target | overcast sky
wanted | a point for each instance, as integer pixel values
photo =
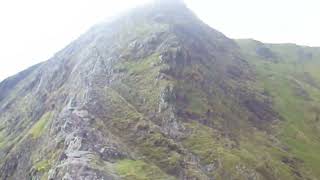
(31, 31)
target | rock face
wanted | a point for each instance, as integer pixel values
(154, 94)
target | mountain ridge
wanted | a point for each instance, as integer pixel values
(158, 94)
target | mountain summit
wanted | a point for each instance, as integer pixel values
(158, 94)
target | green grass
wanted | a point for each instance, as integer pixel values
(140, 86)
(42, 166)
(210, 148)
(39, 127)
(162, 151)
(139, 170)
(297, 130)
(202, 143)
(127, 121)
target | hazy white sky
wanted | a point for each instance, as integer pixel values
(32, 31)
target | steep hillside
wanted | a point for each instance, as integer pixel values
(157, 94)
(290, 75)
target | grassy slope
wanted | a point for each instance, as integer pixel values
(292, 82)
(261, 152)
(257, 153)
